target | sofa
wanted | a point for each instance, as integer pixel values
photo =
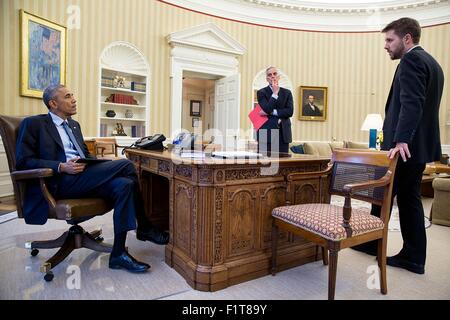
(440, 212)
(324, 148)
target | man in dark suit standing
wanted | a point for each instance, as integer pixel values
(277, 103)
(55, 141)
(310, 109)
(411, 128)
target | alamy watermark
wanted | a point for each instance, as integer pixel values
(74, 17)
(373, 281)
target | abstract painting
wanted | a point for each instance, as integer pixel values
(43, 54)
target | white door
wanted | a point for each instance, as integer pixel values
(226, 111)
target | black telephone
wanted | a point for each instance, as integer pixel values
(151, 142)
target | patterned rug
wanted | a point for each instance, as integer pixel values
(394, 222)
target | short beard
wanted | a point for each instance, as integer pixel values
(398, 54)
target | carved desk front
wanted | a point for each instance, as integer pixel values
(218, 213)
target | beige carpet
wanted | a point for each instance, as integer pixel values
(20, 277)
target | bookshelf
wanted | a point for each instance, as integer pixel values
(123, 92)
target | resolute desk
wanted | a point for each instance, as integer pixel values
(219, 213)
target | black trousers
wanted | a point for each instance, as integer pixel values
(116, 181)
(271, 140)
(407, 181)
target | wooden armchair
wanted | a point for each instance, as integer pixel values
(360, 174)
(73, 211)
(105, 147)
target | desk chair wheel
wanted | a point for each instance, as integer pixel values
(34, 252)
(49, 276)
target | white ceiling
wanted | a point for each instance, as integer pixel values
(323, 15)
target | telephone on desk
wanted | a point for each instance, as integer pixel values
(154, 142)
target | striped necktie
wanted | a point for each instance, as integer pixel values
(73, 140)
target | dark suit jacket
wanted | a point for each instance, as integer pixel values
(412, 108)
(39, 146)
(285, 109)
(307, 111)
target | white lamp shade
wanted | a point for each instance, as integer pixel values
(372, 121)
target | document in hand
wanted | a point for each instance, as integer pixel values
(257, 119)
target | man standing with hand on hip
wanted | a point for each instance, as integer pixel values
(411, 128)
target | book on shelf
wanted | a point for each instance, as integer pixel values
(107, 82)
(122, 99)
(103, 130)
(138, 86)
(134, 131)
(140, 130)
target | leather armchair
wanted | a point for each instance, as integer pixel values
(73, 211)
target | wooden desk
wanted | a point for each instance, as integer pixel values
(433, 170)
(219, 213)
(442, 168)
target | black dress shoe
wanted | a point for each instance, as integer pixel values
(127, 262)
(367, 248)
(153, 235)
(401, 262)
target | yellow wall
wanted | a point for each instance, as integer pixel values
(354, 66)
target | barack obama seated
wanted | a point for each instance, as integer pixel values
(55, 141)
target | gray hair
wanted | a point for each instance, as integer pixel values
(271, 67)
(50, 92)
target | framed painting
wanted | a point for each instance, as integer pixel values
(42, 54)
(313, 103)
(196, 108)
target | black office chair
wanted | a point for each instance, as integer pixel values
(74, 211)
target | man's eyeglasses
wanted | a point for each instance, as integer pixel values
(272, 74)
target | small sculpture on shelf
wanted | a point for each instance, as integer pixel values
(118, 131)
(128, 114)
(119, 82)
(110, 113)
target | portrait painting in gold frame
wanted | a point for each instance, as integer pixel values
(313, 103)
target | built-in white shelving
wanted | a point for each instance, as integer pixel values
(124, 60)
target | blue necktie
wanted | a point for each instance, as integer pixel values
(73, 140)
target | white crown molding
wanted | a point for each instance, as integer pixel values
(322, 16)
(207, 36)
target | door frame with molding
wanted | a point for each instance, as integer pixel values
(203, 49)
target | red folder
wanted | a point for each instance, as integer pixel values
(257, 119)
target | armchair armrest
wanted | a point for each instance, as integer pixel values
(32, 174)
(303, 175)
(40, 174)
(353, 187)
